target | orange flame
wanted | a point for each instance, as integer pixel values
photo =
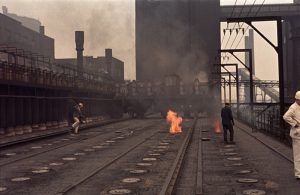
(175, 122)
(217, 126)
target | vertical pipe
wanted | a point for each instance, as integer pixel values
(3, 117)
(42, 110)
(35, 112)
(56, 107)
(11, 111)
(224, 88)
(229, 88)
(28, 109)
(251, 76)
(20, 108)
(237, 89)
(59, 107)
(251, 85)
(49, 107)
(280, 71)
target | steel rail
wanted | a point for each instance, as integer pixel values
(9, 162)
(199, 177)
(66, 130)
(107, 164)
(168, 186)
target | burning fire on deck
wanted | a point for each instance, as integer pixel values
(175, 122)
(217, 126)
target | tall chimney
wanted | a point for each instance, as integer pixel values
(249, 44)
(79, 39)
(42, 30)
(108, 59)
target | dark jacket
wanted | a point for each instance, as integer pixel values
(77, 112)
(226, 115)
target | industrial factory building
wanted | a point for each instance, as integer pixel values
(104, 65)
(15, 35)
(19, 33)
(30, 23)
(28, 68)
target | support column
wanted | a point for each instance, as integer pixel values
(35, 113)
(295, 37)
(2, 115)
(42, 111)
(3, 118)
(56, 109)
(19, 112)
(63, 112)
(11, 114)
(28, 111)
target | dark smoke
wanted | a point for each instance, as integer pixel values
(177, 37)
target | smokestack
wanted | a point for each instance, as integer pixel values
(108, 59)
(4, 10)
(79, 39)
(249, 44)
(42, 30)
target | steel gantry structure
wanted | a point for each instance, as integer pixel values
(278, 49)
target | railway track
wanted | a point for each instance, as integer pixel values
(231, 165)
(57, 133)
(14, 160)
(96, 171)
(109, 162)
(139, 130)
(168, 186)
(172, 175)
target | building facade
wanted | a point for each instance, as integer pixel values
(30, 23)
(14, 34)
(104, 65)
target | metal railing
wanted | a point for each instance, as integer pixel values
(265, 118)
(20, 67)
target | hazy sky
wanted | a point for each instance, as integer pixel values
(110, 24)
(107, 24)
(265, 58)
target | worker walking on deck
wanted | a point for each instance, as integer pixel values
(292, 116)
(227, 122)
(77, 117)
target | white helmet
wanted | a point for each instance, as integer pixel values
(297, 96)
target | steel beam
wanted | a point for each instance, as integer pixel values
(232, 51)
(278, 49)
(253, 19)
(237, 85)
